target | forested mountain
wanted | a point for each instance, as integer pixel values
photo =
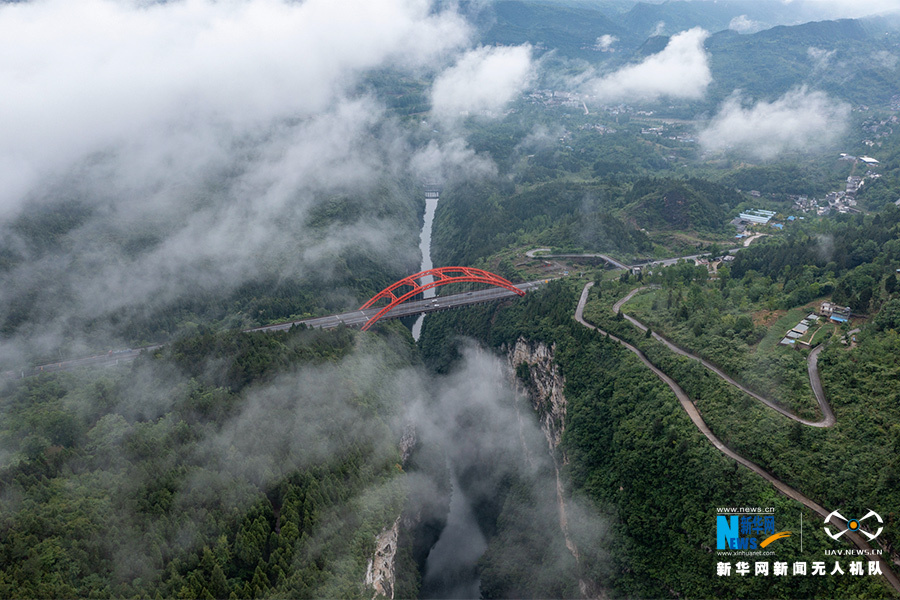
(779, 52)
(168, 479)
(684, 205)
(489, 216)
(843, 57)
(205, 168)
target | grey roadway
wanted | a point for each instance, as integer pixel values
(812, 368)
(665, 262)
(698, 421)
(609, 259)
(354, 318)
(358, 318)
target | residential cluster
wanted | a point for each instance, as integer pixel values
(556, 98)
(802, 333)
(839, 201)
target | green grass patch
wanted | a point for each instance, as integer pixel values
(779, 329)
(823, 334)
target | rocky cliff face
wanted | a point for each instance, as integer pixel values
(380, 574)
(544, 384)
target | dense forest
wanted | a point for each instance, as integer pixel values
(226, 463)
(166, 479)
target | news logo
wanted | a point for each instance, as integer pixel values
(746, 532)
(851, 524)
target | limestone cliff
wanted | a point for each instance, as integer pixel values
(545, 384)
(380, 574)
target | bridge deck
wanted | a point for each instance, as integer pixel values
(355, 318)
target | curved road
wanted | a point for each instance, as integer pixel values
(664, 262)
(812, 367)
(609, 259)
(698, 421)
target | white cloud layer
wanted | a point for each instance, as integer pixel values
(847, 9)
(801, 121)
(744, 24)
(681, 70)
(199, 137)
(78, 78)
(605, 42)
(484, 79)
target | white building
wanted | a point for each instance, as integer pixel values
(757, 216)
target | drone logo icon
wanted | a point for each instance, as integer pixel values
(852, 524)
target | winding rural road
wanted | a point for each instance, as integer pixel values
(698, 421)
(812, 367)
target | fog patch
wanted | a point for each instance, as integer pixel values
(820, 58)
(451, 160)
(495, 450)
(541, 137)
(825, 247)
(885, 59)
(680, 70)
(605, 43)
(482, 82)
(800, 121)
(744, 24)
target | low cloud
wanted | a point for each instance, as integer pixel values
(452, 160)
(188, 146)
(799, 121)
(485, 79)
(82, 79)
(885, 59)
(744, 24)
(680, 70)
(605, 42)
(820, 57)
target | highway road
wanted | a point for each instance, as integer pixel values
(358, 318)
(354, 318)
(111, 358)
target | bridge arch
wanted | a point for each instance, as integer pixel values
(397, 293)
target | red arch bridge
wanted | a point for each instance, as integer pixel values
(411, 286)
(397, 296)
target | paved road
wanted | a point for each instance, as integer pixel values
(355, 318)
(358, 318)
(111, 358)
(812, 367)
(698, 421)
(664, 262)
(755, 236)
(609, 259)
